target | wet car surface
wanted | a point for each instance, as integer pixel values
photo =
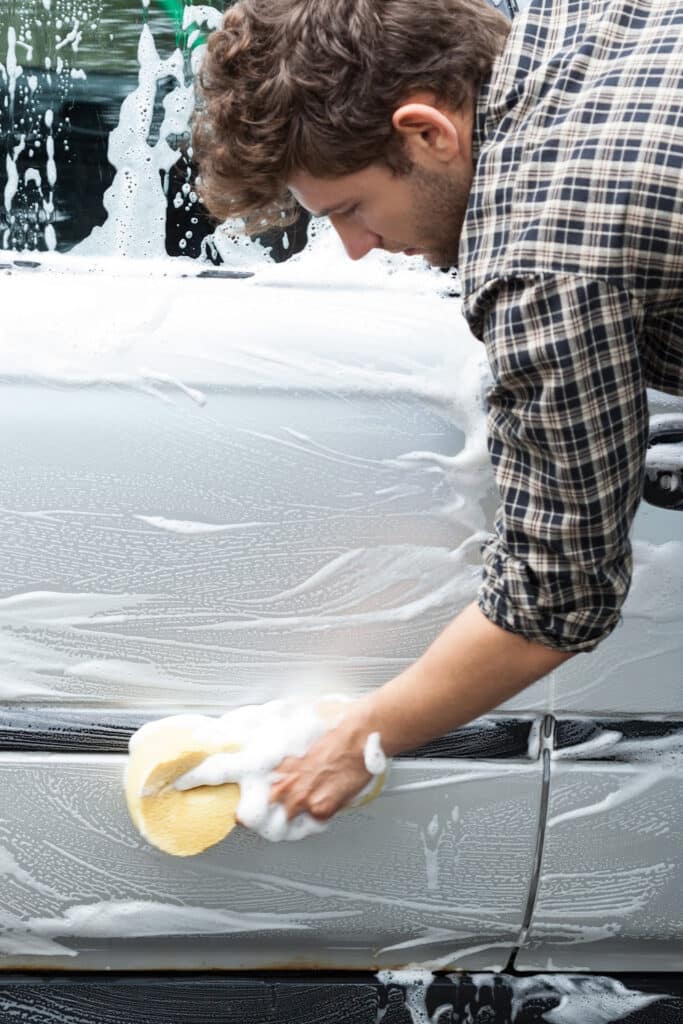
(214, 488)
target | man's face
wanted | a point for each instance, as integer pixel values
(419, 213)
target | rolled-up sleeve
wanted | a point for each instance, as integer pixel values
(567, 435)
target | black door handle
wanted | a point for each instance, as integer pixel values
(664, 462)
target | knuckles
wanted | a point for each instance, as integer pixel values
(322, 807)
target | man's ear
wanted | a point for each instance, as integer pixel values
(429, 134)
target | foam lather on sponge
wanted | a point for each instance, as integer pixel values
(190, 778)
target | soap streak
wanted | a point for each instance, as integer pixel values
(462, 913)
(640, 784)
(183, 526)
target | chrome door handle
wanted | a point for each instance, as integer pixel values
(664, 462)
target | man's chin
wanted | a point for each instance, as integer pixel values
(442, 260)
(439, 260)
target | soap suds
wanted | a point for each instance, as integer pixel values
(641, 783)
(458, 777)
(373, 755)
(188, 528)
(587, 999)
(124, 919)
(432, 936)
(438, 830)
(134, 918)
(597, 746)
(10, 868)
(202, 14)
(266, 734)
(135, 202)
(415, 984)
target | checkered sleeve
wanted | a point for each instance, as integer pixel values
(567, 434)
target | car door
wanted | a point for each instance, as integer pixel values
(611, 875)
(217, 489)
(205, 517)
(228, 480)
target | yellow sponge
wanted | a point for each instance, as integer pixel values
(179, 822)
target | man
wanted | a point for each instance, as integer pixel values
(545, 161)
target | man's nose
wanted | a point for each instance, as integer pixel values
(357, 241)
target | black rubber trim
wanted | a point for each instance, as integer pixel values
(318, 998)
(59, 729)
(572, 732)
(488, 738)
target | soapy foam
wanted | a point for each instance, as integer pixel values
(124, 919)
(29, 206)
(595, 747)
(267, 734)
(373, 755)
(82, 800)
(9, 867)
(134, 918)
(589, 999)
(641, 783)
(582, 1000)
(432, 838)
(599, 895)
(16, 939)
(135, 201)
(192, 528)
(415, 984)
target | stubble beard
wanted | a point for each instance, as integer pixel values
(439, 207)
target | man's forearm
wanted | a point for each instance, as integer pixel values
(471, 668)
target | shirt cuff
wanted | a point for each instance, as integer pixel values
(512, 597)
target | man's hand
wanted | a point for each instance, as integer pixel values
(329, 775)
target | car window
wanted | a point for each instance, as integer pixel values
(95, 153)
(67, 67)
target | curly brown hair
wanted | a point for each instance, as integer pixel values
(311, 85)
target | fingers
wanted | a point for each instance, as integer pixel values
(298, 795)
(322, 781)
(324, 805)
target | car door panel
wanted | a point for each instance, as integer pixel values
(199, 515)
(610, 884)
(437, 868)
(647, 643)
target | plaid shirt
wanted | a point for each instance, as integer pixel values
(571, 259)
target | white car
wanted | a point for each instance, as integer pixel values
(229, 479)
